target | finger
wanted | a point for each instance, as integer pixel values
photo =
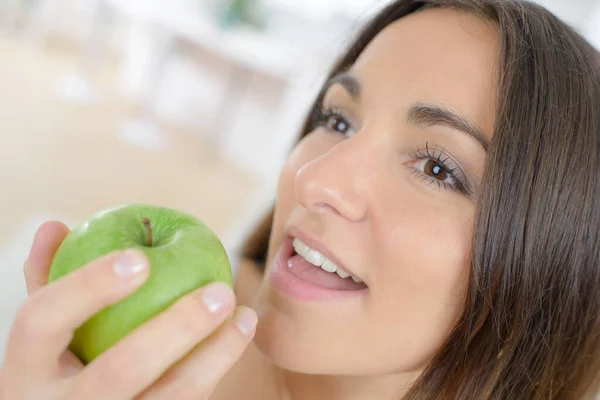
(201, 370)
(143, 356)
(69, 364)
(48, 238)
(45, 323)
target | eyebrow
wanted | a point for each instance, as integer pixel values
(424, 114)
(349, 82)
(434, 114)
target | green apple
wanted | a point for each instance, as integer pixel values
(184, 254)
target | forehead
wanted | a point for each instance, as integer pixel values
(441, 55)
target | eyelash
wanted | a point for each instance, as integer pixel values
(444, 160)
(322, 116)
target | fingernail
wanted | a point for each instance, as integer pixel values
(129, 263)
(246, 319)
(217, 296)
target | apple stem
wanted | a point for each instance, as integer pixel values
(148, 226)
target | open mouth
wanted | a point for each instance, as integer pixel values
(313, 267)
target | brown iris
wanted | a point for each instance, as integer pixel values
(434, 169)
(337, 124)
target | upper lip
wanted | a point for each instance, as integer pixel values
(315, 244)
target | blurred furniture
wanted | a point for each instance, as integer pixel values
(249, 52)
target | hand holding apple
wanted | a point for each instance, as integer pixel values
(184, 254)
(188, 347)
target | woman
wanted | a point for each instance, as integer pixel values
(435, 236)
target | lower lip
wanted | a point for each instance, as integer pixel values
(293, 287)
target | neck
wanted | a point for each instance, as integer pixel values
(297, 386)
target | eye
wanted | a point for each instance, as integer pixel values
(337, 123)
(333, 120)
(435, 167)
(435, 170)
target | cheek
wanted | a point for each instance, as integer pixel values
(436, 249)
(425, 261)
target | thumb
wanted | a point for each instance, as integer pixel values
(47, 240)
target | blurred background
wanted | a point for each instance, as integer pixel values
(191, 104)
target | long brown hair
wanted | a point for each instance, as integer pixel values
(531, 325)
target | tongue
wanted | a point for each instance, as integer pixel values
(304, 270)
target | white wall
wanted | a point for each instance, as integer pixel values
(592, 25)
(574, 12)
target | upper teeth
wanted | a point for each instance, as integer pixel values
(319, 260)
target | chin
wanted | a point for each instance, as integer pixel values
(298, 339)
(285, 350)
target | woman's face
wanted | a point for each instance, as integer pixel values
(385, 188)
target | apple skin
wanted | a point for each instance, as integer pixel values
(185, 255)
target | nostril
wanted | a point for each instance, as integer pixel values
(326, 207)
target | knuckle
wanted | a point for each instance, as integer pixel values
(91, 279)
(192, 319)
(27, 268)
(28, 322)
(231, 347)
(229, 355)
(237, 344)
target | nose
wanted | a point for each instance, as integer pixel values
(334, 182)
